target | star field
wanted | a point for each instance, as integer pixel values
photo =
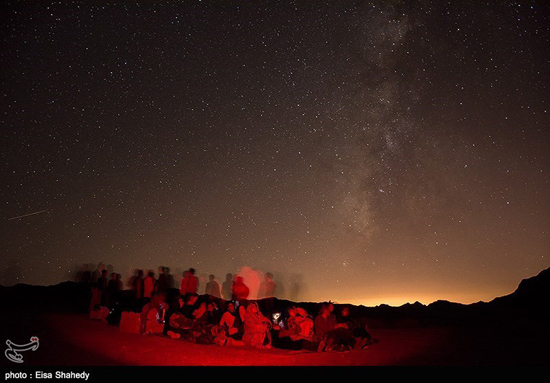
(365, 152)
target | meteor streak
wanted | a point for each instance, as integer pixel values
(27, 215)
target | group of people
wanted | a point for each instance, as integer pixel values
(225, 316)
(242, 323)
(105, 291)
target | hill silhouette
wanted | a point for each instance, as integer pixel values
(509, 330)
(531, 299)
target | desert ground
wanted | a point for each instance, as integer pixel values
(72, 339)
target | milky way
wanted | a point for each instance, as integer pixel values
(364, 152)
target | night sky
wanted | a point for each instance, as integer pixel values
(364, 152)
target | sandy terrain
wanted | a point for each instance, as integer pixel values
(73, 339)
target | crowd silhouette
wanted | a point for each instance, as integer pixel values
(224, 315)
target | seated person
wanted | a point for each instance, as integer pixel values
(358, 327)
(213, 313)
(296, 332)
(324, 323)
(180, 320)
(300, 324)
(229, 320)
(151, 315)
(256, 328)
(190, 306)
(228, 330)
(330, 333)
(202, 331)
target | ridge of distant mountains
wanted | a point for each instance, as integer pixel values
(531, 298)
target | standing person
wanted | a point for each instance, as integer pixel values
(213, 287)
(148, 286)
(96, 294)
(227, 287)
(113, 291)
(183, 284)
(162, 283)
(137, 287)
(98, 272)
(101, 286)
(267, 293)
(240, 290)
(192, 282)
(267, 288)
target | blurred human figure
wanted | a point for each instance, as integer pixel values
(137, 286)
(267, 293)
(240, 290)
(98, 290)
(84, 275)
(148, 286)
(256, 328)
(162, 283)
(101, 285)
(98, 272)
(183, 284)
(227, 287)
(113, 289)
(190, 282)
(267, 288)
(212, 287)
(169, 277)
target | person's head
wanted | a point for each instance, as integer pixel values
(345, 311)
(161, 269)
(186, 273)
(228, 277)
(113, 276)
(239, 280)
(231, 307)
(253, 308)
(101, 266)
(104, 273)
(330, 307)
(151, 274)
(192, 271)
(325, 312)
(211, 277)
(140, 273)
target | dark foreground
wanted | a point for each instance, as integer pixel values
(508, 331)
(70, 339)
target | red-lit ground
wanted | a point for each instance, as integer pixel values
(73, 339)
